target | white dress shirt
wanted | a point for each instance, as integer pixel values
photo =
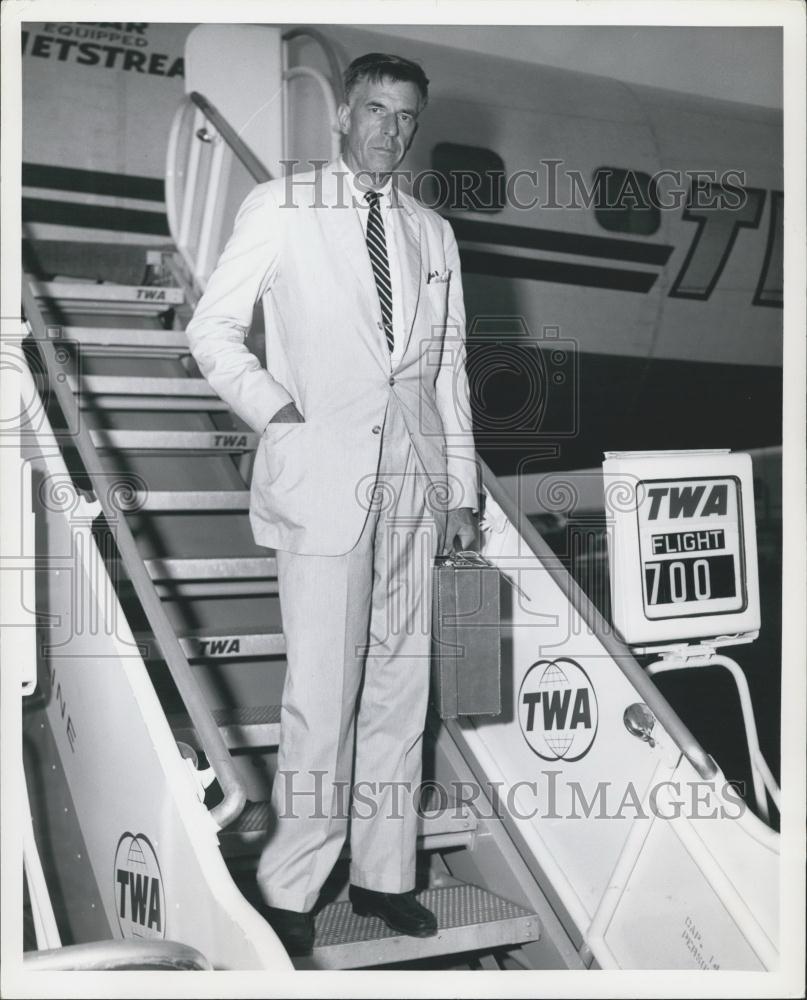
(392, 231)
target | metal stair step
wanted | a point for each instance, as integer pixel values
(225, 441)
(212, 577)
(469, 918)
(202, 644)
(103, 297)
(141, 385)
(145, 392)
(240, 727)
(126, 340)
(225, 568)
(165, 501)
(452, 825)
(186, 404)
(260, 641)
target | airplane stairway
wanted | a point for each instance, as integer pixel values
(160, 471)
(158, 766)
(150, 740)
(179, 461)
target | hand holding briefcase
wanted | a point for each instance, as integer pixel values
(466, 652)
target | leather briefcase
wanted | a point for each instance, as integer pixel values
(466, 651)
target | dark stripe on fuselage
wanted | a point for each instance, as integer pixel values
(507, 266)
(63, 213)
(99, 182)
(473, 261)
(532, 238)
(132, 220)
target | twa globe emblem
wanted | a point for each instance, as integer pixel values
(138, 888)
(557, 710)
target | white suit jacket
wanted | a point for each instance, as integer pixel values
(298, 244)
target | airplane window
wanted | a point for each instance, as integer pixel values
(464, 178)
(624, 201)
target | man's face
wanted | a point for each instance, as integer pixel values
(379, 124)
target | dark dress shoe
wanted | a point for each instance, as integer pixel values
(295, 930)
(400, 911)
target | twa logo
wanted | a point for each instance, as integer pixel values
(140, 902)
(557, 710)
(671, 502)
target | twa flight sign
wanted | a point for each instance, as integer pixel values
(682, 544)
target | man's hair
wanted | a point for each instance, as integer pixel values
(376, 66)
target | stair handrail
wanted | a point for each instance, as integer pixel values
(178, 209)
(177, 214)
(210, 738)
(109, 956)
(621, 654)
(248, 159)
(298, 72)
(616, 649)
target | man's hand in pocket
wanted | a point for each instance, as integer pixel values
(288, 414)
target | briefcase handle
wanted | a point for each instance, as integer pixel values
(467, 557)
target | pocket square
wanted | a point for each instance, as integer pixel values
(436, 277)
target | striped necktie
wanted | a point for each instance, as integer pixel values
(377, 248)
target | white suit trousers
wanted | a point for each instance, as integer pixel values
(358, 635)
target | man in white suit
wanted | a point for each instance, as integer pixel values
(365, 470)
